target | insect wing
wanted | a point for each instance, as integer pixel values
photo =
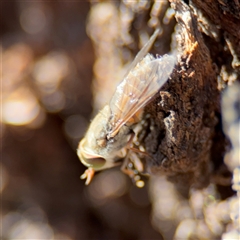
(137, 89)
(143, 52)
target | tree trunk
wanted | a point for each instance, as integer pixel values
(181, 129)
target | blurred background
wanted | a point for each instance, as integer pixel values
(61, 61)
(47, 72)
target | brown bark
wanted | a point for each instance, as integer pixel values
(187, 109)
(187, 143)
(181, 130)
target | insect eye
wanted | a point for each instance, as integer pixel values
(96, 163)
(102, 142)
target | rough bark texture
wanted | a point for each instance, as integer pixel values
(187, 109)
(182, 128)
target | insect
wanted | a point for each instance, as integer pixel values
(112, 130)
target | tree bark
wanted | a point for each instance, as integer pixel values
(181, 129)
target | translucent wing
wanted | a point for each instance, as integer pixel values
(138, 87)
(142, 53)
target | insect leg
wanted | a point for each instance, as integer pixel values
(129, 168)
(88, 174)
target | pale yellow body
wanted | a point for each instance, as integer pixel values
(96, 142)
